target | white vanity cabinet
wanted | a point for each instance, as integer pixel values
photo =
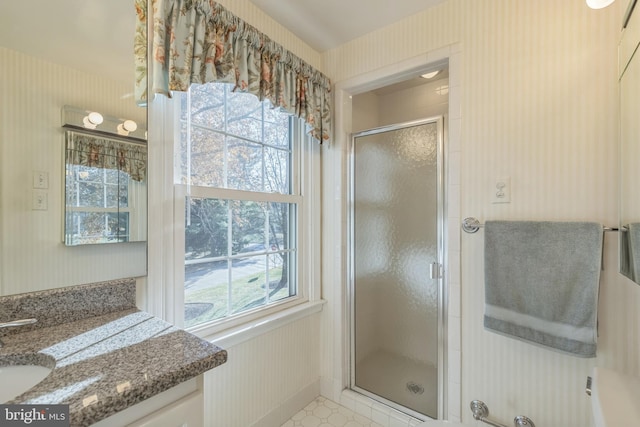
(187, 412)
(180, 406)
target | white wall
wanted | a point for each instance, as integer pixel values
(366, 111)
(398, 105)
(33, 256)
(247, 11)
(427, 100)
(267, 379)
(539, 104)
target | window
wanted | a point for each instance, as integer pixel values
(93, 199)
(105, 190)
(239, 198)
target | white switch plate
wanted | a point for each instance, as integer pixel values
(501, 190)
(40, 179)
(40, 201)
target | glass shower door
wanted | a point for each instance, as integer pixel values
(396, 258)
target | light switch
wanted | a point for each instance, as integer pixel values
(40, 179)
(501, 190)
(40, 201)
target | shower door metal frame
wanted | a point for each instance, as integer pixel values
(442, 260)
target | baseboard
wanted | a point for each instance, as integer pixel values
(331, 389)
(288, 408)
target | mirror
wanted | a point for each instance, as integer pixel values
(105, 179)
(105, 190)
(630, 152)
(68, 52)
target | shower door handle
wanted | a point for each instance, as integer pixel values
(435, 270)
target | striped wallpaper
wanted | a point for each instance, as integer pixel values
(267, 379)
(538, 99)
(539, 104)
(276, 32)
(33, 256)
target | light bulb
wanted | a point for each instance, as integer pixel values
(87, 123)
(130, 125)
(599, 4)
(430, 75)
(92, 120)
(95, 118)
(121, 130)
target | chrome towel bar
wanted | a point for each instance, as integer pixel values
(481, 413)
(472, 225)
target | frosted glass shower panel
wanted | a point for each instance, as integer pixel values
(395, 226)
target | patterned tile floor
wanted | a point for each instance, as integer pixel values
(323, 412)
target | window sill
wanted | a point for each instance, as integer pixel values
(247, 331)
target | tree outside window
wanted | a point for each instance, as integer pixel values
(237, 154)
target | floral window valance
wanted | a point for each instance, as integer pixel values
(88, 150)
(199, 41)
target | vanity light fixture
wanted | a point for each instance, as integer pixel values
(599, 4)
(92, 120)
(430, 75)
(127, 126)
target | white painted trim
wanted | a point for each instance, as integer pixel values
(247, 331)
(335, 184)
(160, 194)
(279, 415)
(163, 296)
(231, 194)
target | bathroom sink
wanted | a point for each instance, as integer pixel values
(19, 373)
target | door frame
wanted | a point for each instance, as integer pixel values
(334, 333)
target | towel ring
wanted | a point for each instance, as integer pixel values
(471, 225)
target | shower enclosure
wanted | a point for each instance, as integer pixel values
(396, 265)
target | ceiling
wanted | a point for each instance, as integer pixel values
(95, 36)
(326, 24)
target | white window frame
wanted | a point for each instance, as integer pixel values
(164, 295)
(132, 220)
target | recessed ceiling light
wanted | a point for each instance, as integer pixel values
(430, 75)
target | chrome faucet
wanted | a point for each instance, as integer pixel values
(15, 323)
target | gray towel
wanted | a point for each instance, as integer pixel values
(630, 251)
(541, 282)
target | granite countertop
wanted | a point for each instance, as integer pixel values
(107, 362)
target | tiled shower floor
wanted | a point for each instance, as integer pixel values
(389, 374)
(323, 412)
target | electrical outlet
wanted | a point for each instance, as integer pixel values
(501, 191)
(40, 201)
